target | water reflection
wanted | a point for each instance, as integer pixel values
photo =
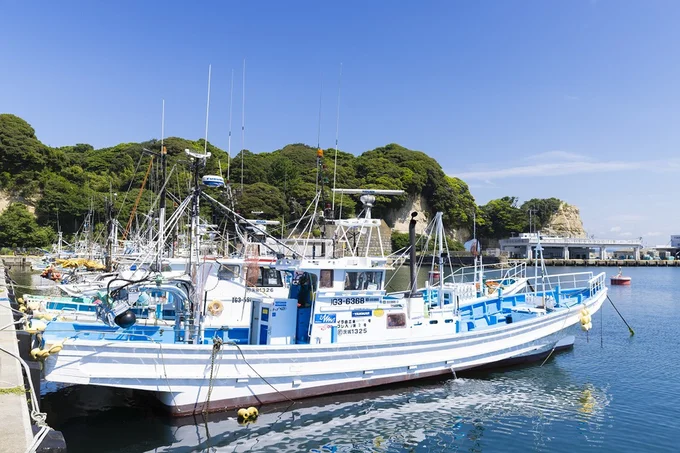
(447, 415)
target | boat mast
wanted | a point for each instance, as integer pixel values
(109, 241)
(337, 133)
(162, 205)
(199, 161)
(243, 122)
(440, 232)
(319, 152)
(231, 104)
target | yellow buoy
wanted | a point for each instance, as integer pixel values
(252, 412)
(242, 413)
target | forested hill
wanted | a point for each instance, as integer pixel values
(63, 184)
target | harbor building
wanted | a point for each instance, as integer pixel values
(524, 247)
(670, 250)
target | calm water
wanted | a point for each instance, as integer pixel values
(611, 393)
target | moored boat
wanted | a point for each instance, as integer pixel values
(336, 329)
(620, 279)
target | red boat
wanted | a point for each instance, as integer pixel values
(620, 279)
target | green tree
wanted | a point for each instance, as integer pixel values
(20, 149)
(542, 210)
(502, 217)
(18, 228)
(252, 172)
(261, 197)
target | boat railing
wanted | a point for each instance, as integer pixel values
(598, 283)
(493, 272)
(572, 280)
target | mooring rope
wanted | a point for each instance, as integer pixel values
(217, 346)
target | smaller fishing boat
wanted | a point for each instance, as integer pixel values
(620, 279)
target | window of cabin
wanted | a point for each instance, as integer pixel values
(326, 278)
(269, 277)
(365, 280)
(228, 271)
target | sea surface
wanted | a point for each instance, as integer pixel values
(612, 393)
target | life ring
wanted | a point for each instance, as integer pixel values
(215, 308)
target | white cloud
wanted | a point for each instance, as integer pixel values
(627, 233)
(615, 229)
(552, 156)
(653, 233)
(560, 163)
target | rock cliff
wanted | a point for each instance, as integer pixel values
(400, 218)
(566, 222)
(6, 198)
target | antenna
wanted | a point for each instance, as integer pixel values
(162, 125)
(318, 139)
(337, 132)
(243, 122)
(231, 103)
(207, 112)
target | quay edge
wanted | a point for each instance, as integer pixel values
(17, 430)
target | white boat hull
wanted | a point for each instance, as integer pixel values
(252, 375)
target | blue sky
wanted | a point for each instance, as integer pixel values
(578, 100)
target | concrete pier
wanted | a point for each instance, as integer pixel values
(609, 263)
(524, 247)
(16, 433)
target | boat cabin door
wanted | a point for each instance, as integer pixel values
(302, 289)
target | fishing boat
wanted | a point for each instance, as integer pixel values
(336, 330)
(620, 279)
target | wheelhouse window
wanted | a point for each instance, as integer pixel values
(228, 272)
(268, 277)
(326, 278)
(365, 280)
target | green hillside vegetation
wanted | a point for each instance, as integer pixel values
(64, 183)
